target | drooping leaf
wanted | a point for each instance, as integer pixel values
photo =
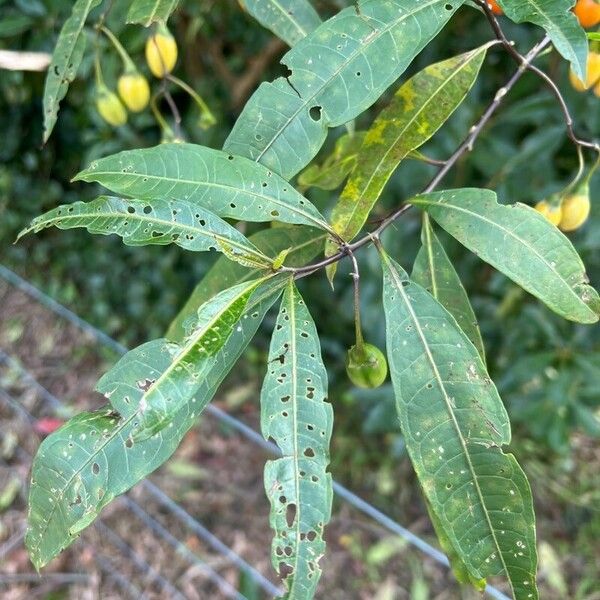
(229, 186)
(296, 416)
(561, 25)
(336, 167)
(337, 72)
(156, 221)
(419, 108)
(66, 59)
(146, 12)
(290, 20)
(455, 426)
(154, 400)
(92, 459)
(434, 271)
(305, 243)
(520, 242)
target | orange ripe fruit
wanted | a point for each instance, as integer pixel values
(495, 7)
(588, 13)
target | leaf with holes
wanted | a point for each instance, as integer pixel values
(434, 271)
(336, 167)
(419, 108)
(455, 426)
(229, 186)
(146, 12)
(337, 71)
(92, 459)
(157, 221)
(520, 242)
(304, 244)
(290, 20)
(66, 59)
(153, 400)
(561, 25)
(296, 416)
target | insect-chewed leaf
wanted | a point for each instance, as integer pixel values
(154, 399)
(337, 71)
(336, 167)
(82, 466)
(304, 244)
(455, 425)
(419, 108)
(296, 416)
(560, 23)
(157, 221)
(229, 186)
(291, 20)
(66, 59)
(434, 271)
(520, 242)
(146, 12)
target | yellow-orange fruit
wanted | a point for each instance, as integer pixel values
(588, 13)
(552, 212)
(134, 91)
(111, 109)
(575, 210)
(161, 52)
(593, 74)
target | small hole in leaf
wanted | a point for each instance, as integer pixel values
(290, 514)
(147, 209)
(315, 113)
(95, 468)
(309, 452)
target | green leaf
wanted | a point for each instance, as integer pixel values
(296, 416)
(92, 459)
(460, 570)
(419, 108)
(291, 20)
(560, 23)
(66, 59)
(520, 242)
(434, 271)
(337, 72)
(336, 167)
(155, 399)
(229, 186)
(156, 221)
(304, 243)
(146, 12)
(455, 425)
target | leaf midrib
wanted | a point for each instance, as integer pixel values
(348, 61)
(440, 382)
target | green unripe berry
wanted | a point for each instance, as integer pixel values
(366, 366)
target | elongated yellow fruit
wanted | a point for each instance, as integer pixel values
(161, 52)
(134, 91)
(575, 209)
(110, 108)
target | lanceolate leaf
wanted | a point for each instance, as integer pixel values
(291, 20)
(227, 185)
(82, 466)
(66, 59)
(146, 12)
(155, 399)
(337, 72)
(304, 244)
(419, 108)
(434, 271)
(455, 425)
(296, 416)
(520, 242)
(560, 23)
(157, 221)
